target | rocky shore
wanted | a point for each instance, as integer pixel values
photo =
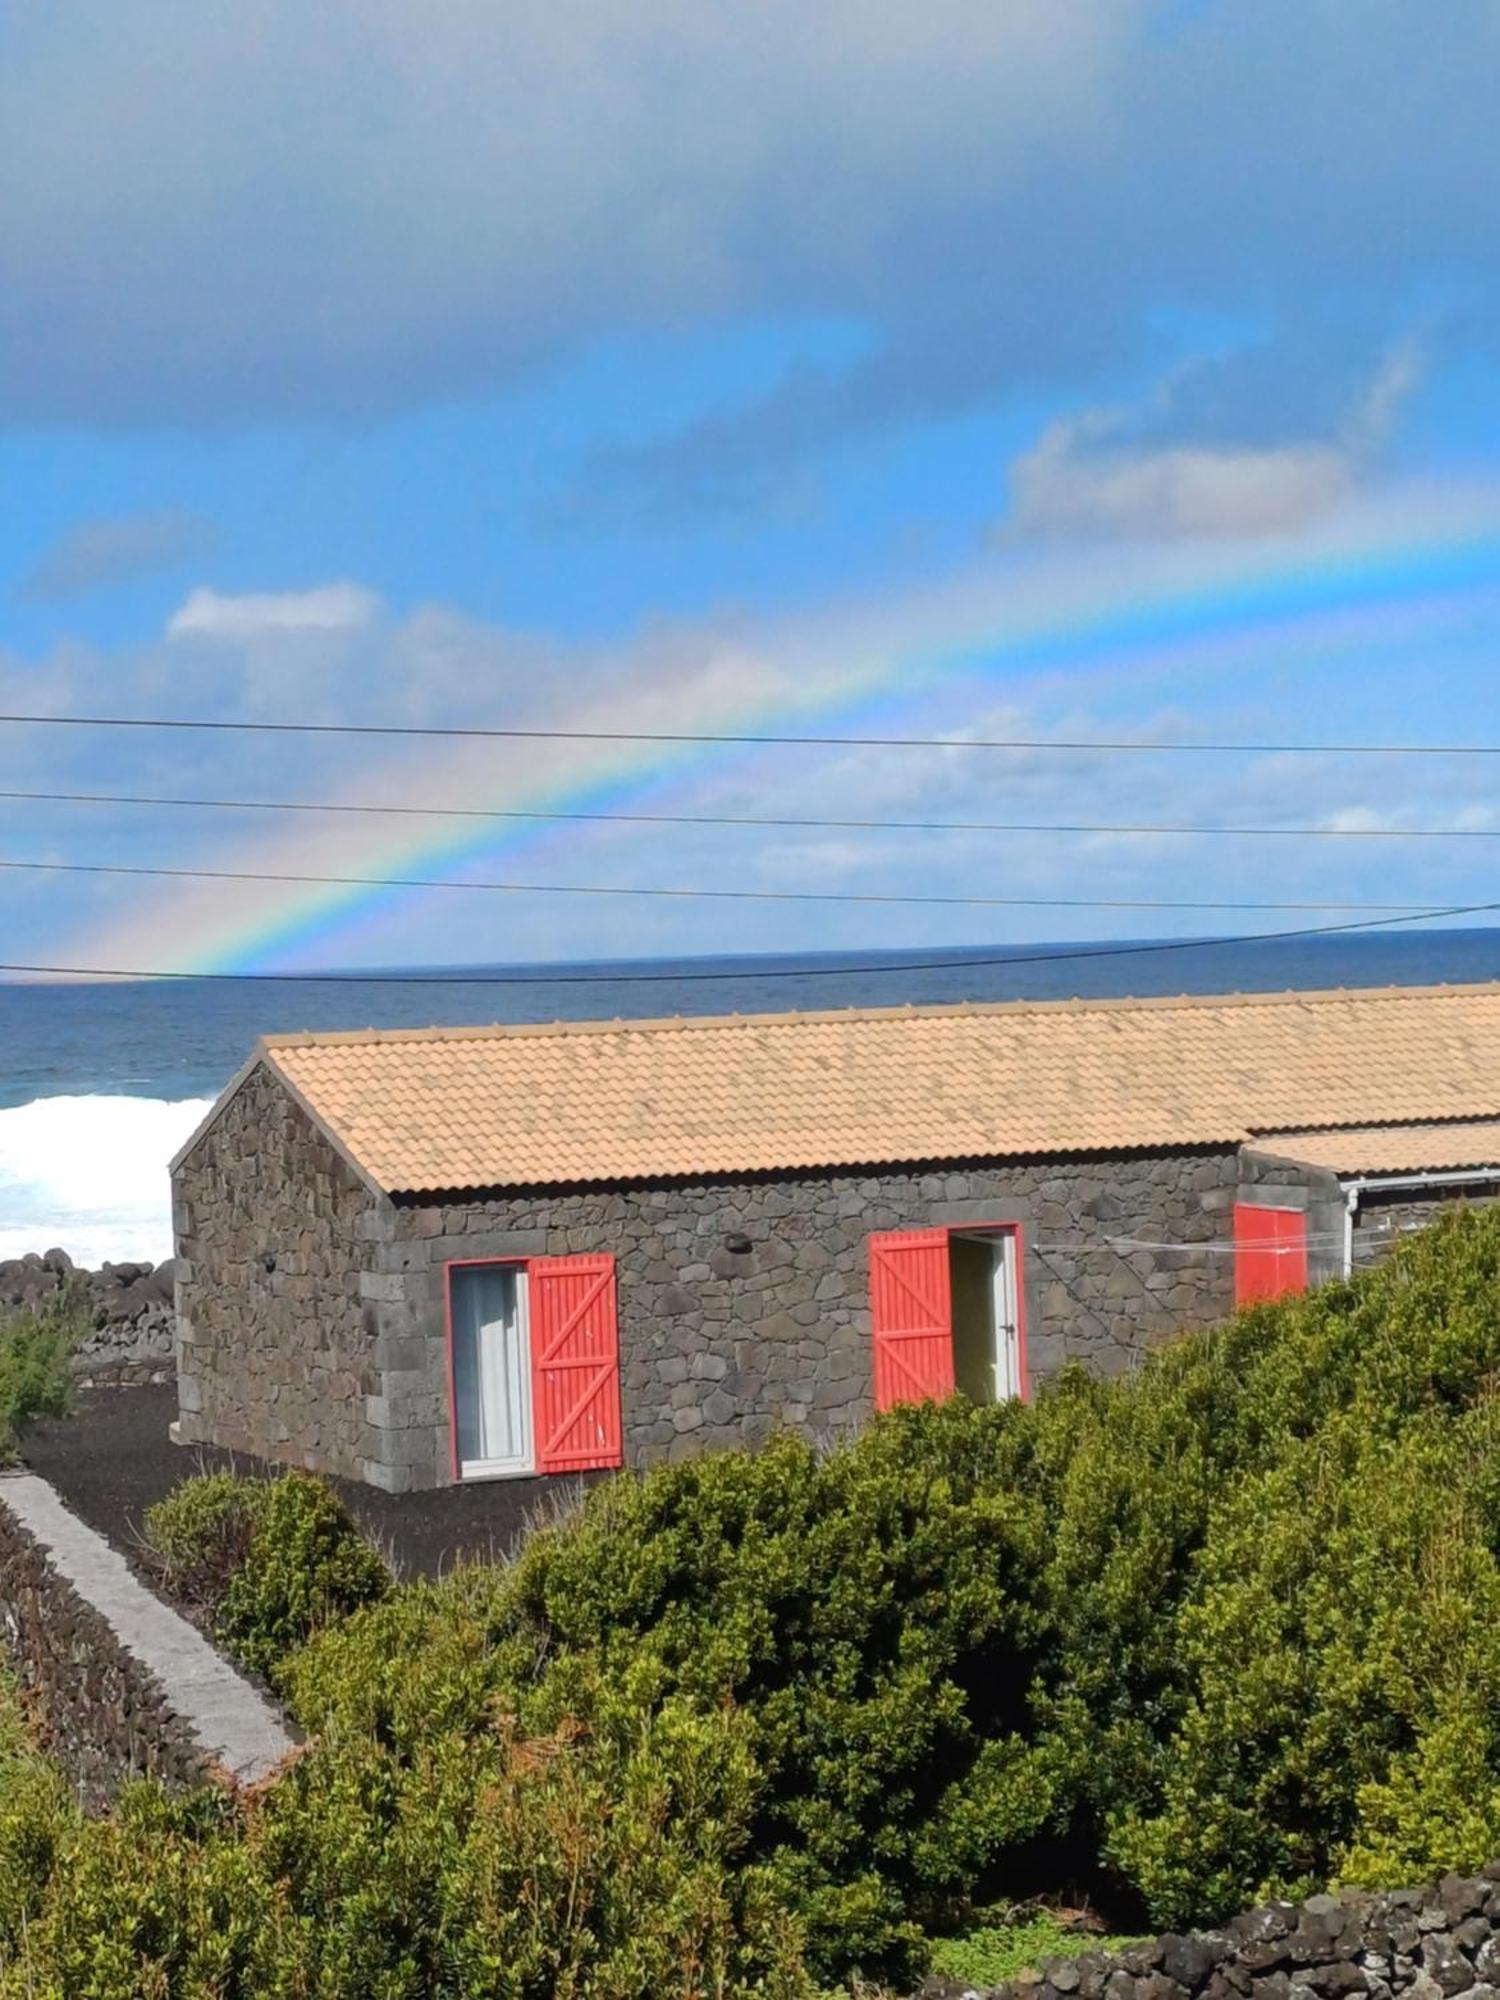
(127, 1308)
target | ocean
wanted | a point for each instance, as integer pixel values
(100, 1083)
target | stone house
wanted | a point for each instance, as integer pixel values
(414, 1257)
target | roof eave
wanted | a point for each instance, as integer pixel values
(900, 1164)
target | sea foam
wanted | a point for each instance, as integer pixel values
(89, 1174)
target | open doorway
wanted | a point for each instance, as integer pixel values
(987, 1360)
(948, 1311)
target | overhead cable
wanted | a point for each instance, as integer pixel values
(774, 822)
(957, 960)
(849, 896)
(763, 739)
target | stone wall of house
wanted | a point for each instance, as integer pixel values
(104, 1717)
(275, 1352)
(744, 1306)
(1439, 1942)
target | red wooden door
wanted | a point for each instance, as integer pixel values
(911, 1316)
(575, 1363)
(1270, 1253)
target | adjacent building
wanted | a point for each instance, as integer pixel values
(416, 1257)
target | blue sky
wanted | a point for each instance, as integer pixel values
(1099, 368)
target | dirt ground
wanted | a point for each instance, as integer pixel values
(112, 1458)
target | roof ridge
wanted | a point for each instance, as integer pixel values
(907, 1011)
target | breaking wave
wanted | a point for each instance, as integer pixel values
(89, 1174)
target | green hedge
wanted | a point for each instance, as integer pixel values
(1230, 1626)
(606, 1863)
(871, 1614)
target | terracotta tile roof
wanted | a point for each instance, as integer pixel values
(641, 1100)
(1390, 1149)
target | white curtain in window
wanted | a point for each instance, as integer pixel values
(491, 1369)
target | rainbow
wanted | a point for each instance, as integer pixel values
(1048, 636)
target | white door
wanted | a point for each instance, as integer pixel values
(1006, 1309)
(491, 1370)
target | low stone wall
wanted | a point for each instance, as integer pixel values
(1440, 1942)
(105, 1718)
(128, 1306)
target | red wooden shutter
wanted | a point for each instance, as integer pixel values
(1270, 1253)
(911, 1316)
(575, 1363)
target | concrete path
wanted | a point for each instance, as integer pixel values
(235, 1726)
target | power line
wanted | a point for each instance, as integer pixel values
(777, 822)
(466, 977)
(298, 879)
(768, 739)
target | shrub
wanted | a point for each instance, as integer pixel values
(200, 1535)
(37, 1814)
(1337, 1685)
(268, 1561)
(164, 1897)
(871, 1613)
(36, 1346)
(604, 1861)
(1227, 1627)
(307, 1564)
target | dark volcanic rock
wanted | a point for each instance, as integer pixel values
(1189, 1960)
(1436, 1942)
(1443, 1960)
(128, 1309)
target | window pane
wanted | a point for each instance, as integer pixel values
(491, 1378)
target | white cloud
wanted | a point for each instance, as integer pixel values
(331, 607)
(1059, 488)
(1110, 472)
(1375, 414)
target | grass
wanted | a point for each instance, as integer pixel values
(1004, 1942)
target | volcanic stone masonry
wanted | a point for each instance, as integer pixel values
(1439, 1942)
(744, 1305)
(104, 1718)
(1381, 1220)
(277, 1348)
